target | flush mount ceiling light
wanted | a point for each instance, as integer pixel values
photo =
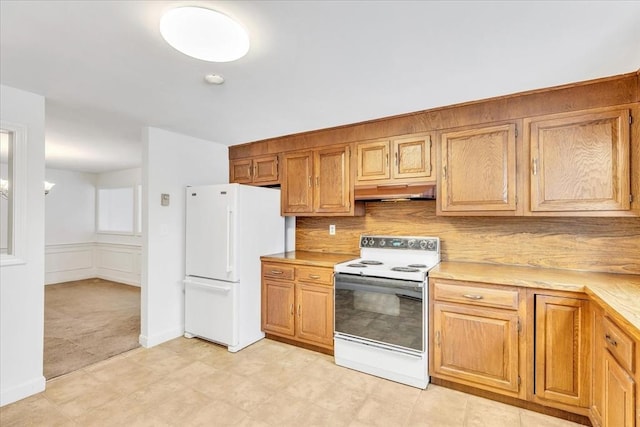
(204, 34)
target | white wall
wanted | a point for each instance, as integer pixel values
(171, 161)
(70, 207)
(21, 289)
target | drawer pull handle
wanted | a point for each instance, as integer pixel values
(314, 276)
(471, 296)
(292, 309)
(611, 340)
(276, 272)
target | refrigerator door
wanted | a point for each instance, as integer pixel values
(211, 232)
(210, 310)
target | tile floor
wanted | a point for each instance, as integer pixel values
(195, 383)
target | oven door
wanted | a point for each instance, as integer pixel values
(387, 311)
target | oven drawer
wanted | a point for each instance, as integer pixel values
(475, 295)
(315, 275)
(619, 344)
(277, 271)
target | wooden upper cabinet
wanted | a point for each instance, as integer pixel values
(412, 157)
(318, 182)
(579, 161)
(478, 171)
(257, 171)
(405, 159)
(296, 195)
(373, 161)
(332, 193)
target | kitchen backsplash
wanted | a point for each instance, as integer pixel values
(591, 244)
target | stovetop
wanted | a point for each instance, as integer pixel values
(405, 258)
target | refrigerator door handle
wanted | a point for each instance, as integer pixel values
(229, 254)
(215, 288)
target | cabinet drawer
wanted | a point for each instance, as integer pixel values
(619, 344)
(277, 271)
(315, 275)
(488, 297)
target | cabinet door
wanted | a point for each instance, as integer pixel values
(297, 187)
(278, 307)
(619, 395)
(597, 388)
(477, 345)
(315, 314)
(332, 186)
(580, 162)
(240, 171)
(562, 355)
(265, 170)
(412, 157)
(373, 161)
(478, 170)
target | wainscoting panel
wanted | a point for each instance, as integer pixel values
(120, 263)
(67, 262)
(79, 261)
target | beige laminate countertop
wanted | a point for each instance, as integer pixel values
(616, 292)
(318, 259)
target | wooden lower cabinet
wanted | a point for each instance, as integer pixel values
(619, 395)
(278, 299)
(614, 397)
(297, 303)
(493, 335)
(475, 343)
(562, 366)
(314, 320)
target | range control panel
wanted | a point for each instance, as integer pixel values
(390, 242)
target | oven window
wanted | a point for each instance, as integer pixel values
(388, 311)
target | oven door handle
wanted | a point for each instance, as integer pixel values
(374, 284)
(379, 289)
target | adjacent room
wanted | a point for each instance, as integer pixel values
(92, 267)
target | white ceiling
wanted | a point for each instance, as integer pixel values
(106, 72)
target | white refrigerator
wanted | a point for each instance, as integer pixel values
(228, 228)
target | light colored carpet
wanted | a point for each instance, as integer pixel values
(87, 321)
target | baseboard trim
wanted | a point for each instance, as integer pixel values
(154, 340)
(23, 390)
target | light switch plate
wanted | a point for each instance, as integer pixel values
(332, 230)
(164, 199)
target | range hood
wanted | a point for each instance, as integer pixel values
(396, 192)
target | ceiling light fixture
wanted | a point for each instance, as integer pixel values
(4, 188)
(204, 34)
